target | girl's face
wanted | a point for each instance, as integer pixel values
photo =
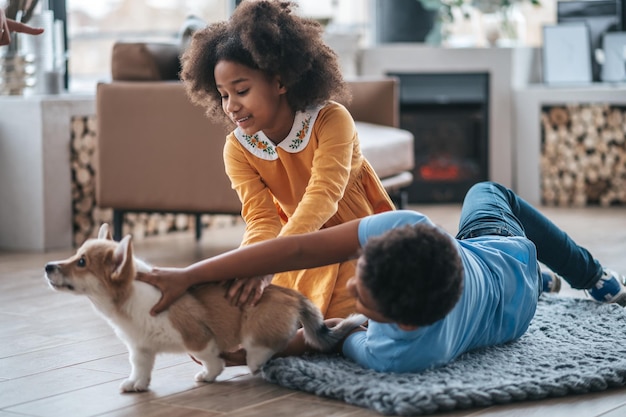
(253, 100)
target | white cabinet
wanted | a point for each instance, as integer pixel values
(35, 174)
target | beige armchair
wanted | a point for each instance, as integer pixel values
(157, 152)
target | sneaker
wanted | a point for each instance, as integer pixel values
(551, 281)
(610, 288)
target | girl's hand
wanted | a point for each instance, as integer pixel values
(171, 283)
(247, 291)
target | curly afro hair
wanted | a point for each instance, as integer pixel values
(267, 36)
(414, 274)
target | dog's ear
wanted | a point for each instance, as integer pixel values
(105, 232)
(123, 259)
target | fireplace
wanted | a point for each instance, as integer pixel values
(448, 116)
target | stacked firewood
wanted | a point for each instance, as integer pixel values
(583, 155)
(142, 225)
(87, 216)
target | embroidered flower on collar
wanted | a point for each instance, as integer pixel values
(262, 145)
(301, 134)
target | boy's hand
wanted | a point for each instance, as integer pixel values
(169, 281)
(236, 358)
(335, 321)
(247, 291)
(332, 322)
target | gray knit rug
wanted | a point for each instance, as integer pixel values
(573, 346)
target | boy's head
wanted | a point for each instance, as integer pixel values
(411, 276)
(266, 36)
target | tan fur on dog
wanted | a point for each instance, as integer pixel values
(201, 323)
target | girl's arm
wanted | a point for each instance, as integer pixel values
(258, 209)
(330, 173)
(328, 246)
(259, 213)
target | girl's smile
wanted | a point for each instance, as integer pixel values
(242, 122)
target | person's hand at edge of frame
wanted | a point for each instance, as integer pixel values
(9, 25)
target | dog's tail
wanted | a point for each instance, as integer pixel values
(320, 336)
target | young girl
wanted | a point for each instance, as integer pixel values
(294, 156)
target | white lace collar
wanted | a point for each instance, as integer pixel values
(298, 138)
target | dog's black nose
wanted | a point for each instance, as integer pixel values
(50, 267)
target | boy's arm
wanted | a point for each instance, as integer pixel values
(355, 348)
(380, 352)
(328, 246)
(296, 347)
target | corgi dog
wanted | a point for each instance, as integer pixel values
(201, 323)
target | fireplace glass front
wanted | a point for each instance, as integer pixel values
(448, 116)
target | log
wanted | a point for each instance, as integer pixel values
(583, 159)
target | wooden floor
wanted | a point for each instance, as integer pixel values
(59, 358)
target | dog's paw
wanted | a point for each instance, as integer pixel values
(206, 376)
(131, 385)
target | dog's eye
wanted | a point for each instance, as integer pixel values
(82, 262)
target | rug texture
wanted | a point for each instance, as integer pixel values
(573, 346)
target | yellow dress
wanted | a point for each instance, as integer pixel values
(315, 178)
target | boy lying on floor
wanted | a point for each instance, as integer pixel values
(429, 297)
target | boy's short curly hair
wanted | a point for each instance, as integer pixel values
(414, 274)
(267, 36)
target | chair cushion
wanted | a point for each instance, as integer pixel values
(388, 149)
(145, 61)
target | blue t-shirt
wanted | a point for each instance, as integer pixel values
(497, 304)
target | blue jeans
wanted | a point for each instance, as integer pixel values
(492, 209)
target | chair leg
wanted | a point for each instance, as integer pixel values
(198, 227)
(118, 222)
(400, 198)
(404, 199)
